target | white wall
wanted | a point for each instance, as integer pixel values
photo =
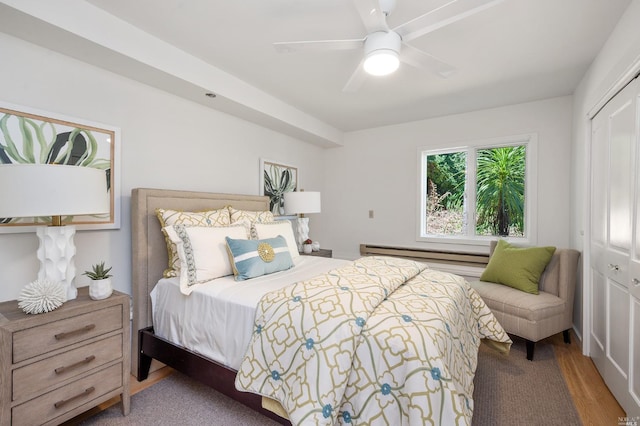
(620, 52)
(167, 142)
(377, 170)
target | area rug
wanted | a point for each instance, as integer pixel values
(509, 390)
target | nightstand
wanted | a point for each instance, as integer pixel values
(321, 253)
(56, 365)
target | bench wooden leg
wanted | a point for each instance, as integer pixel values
(530, 347)
(567, 336)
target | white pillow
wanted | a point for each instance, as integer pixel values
(218, 217)
(248, 218)
(202, 252)
(273, 229)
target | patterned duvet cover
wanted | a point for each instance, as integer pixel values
(380, 341)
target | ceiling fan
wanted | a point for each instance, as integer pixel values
(384, 47)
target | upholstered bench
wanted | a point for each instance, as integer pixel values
(536, 316)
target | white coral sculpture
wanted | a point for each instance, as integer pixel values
(42, 296)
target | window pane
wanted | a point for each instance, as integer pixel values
(500, 191)
(445, 194)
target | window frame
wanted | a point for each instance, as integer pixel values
(530, 140)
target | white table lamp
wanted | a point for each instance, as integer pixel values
(301, 203)
(34, 190)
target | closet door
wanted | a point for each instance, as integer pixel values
(634, 276)
(614, 245)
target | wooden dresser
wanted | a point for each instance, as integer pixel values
(56, 365)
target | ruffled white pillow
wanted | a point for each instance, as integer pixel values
(202, 252)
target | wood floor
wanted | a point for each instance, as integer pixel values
(593, 400)
(591, 396)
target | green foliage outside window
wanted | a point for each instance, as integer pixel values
(499, 182)
(500, 191)
(447, 173)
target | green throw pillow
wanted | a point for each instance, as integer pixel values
(517, 267)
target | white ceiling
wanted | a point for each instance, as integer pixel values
(516, 51)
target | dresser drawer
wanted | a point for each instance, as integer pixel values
(30, 380)
(64, 399)
(48, 337)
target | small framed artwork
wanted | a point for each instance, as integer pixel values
(30, 136)
(275, 179)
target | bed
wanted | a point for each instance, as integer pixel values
(351, 394)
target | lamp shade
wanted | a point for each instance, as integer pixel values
(30, 190)
(301, 202)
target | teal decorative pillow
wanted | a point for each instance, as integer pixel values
(274, 229)
(253, 258)
(517, 267)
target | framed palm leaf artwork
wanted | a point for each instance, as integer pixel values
(276, 179)
(29, 136)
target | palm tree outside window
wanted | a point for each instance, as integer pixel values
(478, 192)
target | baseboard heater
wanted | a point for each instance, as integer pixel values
(467, 264)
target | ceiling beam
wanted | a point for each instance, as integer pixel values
(80, 30)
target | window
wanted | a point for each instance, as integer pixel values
(478, 192)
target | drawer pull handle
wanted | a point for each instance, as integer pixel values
(614, 267)
(636, 281)
(87, 360)
(80, 395)
(66, 334)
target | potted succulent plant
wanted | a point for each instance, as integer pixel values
(307, 246)
(100, 285)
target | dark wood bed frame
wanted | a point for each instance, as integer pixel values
(149, 259)
(205, 370)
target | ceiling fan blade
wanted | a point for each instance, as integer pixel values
(447, 14)
(356, 80)
(371, 15)
(296, 46)
(422, 60)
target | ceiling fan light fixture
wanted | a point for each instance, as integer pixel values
(381, 53)
(381, 62)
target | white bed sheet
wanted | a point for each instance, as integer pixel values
(216, 319)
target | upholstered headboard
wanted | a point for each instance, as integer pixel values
(149, 253)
